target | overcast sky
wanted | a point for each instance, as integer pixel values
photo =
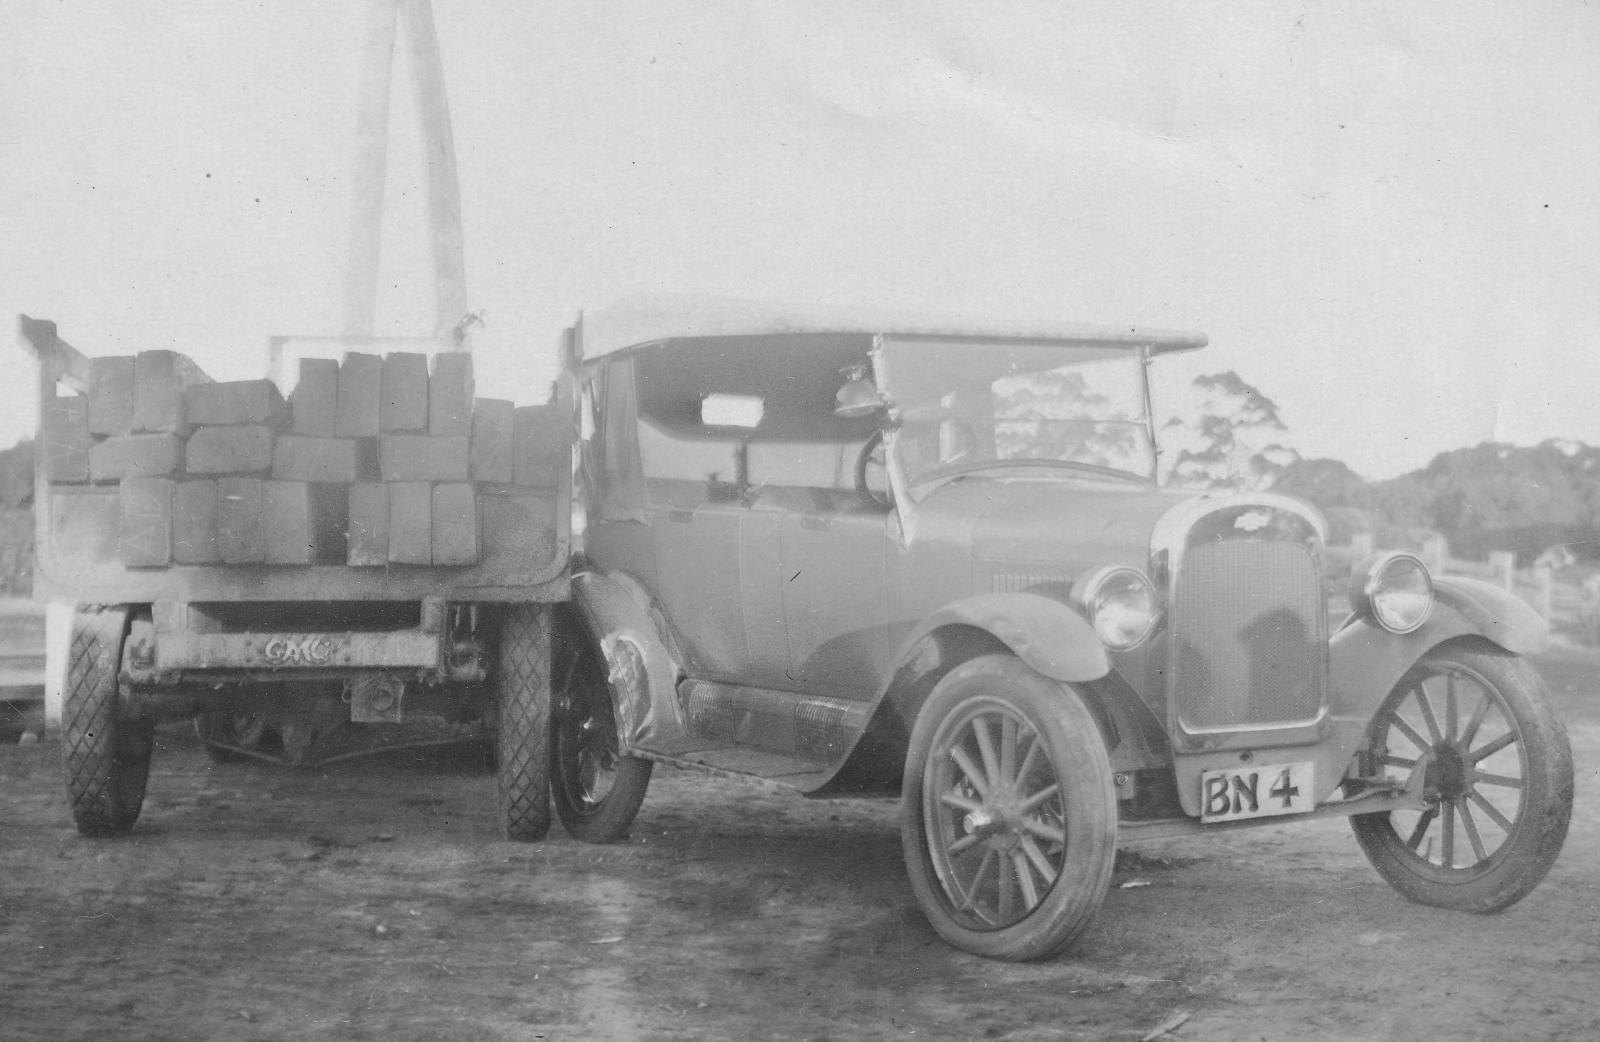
(1386, 216)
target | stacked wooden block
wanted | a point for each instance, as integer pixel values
(372, 461)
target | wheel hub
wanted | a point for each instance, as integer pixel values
(1449, 776)
(998, 821)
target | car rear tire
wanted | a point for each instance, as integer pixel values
(597, 791)
(105, 752)
(1009, 812)
(1498, 783)
(522, 738)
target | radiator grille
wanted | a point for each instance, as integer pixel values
(1248, 634)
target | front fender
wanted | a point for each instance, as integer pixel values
(1049, 636)
(639, 658)
(1365, 661)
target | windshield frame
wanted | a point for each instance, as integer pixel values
(915, 485)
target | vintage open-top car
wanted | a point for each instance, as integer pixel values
(866, 553)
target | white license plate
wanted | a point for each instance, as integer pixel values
(1237, 793)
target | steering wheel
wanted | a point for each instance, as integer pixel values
(872, 455)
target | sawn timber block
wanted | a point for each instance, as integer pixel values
(360, 395)
(456, 532)
(245, 449)
(450, 389)
(304, 522)
(145, 531)
(194, 522)
(422, 457)
(490, 453)
(66, 439)
(410, 522)
(159, 381)
(314, 402)
(111, 395)
(539, 449)
(404, 393)
(241, 537)
(135, 456)
(233, 402)
(299, 457)
(368, 531)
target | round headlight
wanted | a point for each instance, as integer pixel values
(1395, 589)
(1121, 605)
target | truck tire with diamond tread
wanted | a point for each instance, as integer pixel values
(107, 757)
(522, 740)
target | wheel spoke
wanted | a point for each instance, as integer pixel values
(1470, 732)
(1031, 755)
(960, 802)
(964, 844)
(1041, 863)
(1448, 845)
(1421, 830)
(1491, 810)
(1471, 828)
(1044, 831)
(969, 900)
(1007, 883)
(1428, 716)
(1039, 797)
(1497, 779)
(1008, 748)
(1030, 893)
(991, 762)
(1452, 715)
(1494, 746)
(1406, 729)
(970, 769)
(1390, 760)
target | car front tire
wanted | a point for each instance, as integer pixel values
(1009, 811)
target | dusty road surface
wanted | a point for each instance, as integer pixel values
(373, 900)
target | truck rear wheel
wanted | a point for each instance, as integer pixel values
(1009, 812)
(106, 754)
(597, 791)
(522, 739)
(1497, 787)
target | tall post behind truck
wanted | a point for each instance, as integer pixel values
(376, 547)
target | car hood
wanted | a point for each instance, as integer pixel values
(1060, 524)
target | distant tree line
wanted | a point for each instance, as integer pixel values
(1493, 496)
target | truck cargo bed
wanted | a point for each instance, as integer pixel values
(144, 528)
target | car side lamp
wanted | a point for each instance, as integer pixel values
(859, 396)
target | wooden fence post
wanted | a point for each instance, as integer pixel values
(1504, 564)
(1544, 591)
(1435, 551)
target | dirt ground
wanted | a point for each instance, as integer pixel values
(373, 900)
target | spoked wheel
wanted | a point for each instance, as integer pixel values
(522, 739)
(1009, 813)
(1497, 782)
(596, 790)
(106, 753)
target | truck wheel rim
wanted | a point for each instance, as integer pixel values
(993, 815)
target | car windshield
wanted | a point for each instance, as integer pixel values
(978, 407)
